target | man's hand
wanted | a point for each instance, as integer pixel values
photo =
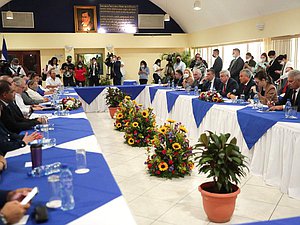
(38, 107)
(46, 99)
(42, 120)
(14, 211)
(276, 108)
(29, 138)
(3, 163)
(18, 194)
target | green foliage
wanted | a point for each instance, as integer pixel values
(114, 96)
(185, 57)
(220, 159)
(104, 80)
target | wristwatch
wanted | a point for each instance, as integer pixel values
(2, 218)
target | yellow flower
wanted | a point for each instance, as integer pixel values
(127, 98)
(154, 124)
(134, 102)
(145, 113)
(130, 141)
(171, 121)
(183, 129)
(120, 116)
(119, 125)
(140, 105)
(126, 124)
(167, 125)
(120, 104)
(130, 111)
(191, 165)
(135, 124)
(176, 146)
(163, 166)
(162, 130)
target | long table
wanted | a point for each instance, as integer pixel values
(270, 142)
(97, 195)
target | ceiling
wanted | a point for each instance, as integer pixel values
(217, 12)
(220, 12)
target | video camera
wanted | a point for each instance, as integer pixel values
(170, 57)
(108, 60)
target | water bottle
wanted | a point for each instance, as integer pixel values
(66, 183)
(196, 90)
(255, 101)
(45, 170)
(169, 83)
(159, 82)
(173, 86)
(287, 108)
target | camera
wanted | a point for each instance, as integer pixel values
(170, 57)
(108, 60)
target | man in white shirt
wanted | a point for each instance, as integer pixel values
(52, 81)
(15, 68)
(179, 65)
(32, 92)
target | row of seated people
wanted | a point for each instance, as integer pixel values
(261, 84)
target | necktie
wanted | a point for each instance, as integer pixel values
(294, 97)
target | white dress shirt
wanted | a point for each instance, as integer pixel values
(34, 95)
(51, 82)
(25, 109)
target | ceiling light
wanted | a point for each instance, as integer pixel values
(197, 5)
(9, 15)
(167, 17)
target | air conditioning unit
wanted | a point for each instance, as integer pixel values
(20, 20)
(151, 21)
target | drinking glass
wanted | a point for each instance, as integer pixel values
(54, 184)
(293, 112)
(81, 164)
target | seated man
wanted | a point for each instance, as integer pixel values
(42, 91)
(247, 86)
(32, 92)
(292, 92)
(11, 210)
(197, 78)
(229, 85)
(211, 82)
(12, 116)
(53, 81)
(178, 78)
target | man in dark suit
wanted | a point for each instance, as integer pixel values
(178, 78)
(236, 65)
(229, 86)
(12, 116)
(247, 86)
(274, 68)
(211, 82)
(94, 73)
(292, 92)
(116, 68)
(218, 64)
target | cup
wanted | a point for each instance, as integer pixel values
(260, 107)
(50, 142)
(81, 164)
(55, 199)
(242, 98)
(36, 155)
(293, 112)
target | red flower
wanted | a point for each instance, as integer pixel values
(149, 165)
(138, 141)
(157, 172)
(164, 151)
(173, 172)
(147, 120)
(135, 132)
(170, 162)
(175, 153)
(170, 140)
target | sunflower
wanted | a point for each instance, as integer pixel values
(127, 98)
(176, 146)
(140, 105)
(191, 165)
(171, 121)
(120, 116)
(163, 166)
(135, 124)
(162, 130)
(126, 124)
(118, 125)
(154, 124)
(130, 111)
(183, 129)
(134, 102)
(145, 113)
(167, 125)
(130, 141)
(120, 104)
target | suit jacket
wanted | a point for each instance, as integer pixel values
(246, 89)
(206, 86)
(270, 94)
(117, 69)
(3, 198)
(178, 82)
(196, 83)
(271, 70)
(14, 120)
(218, 65)
(27, 100)
(231, 87)
(235, 68)
(289, 95)
(9, 141)
(97, 71)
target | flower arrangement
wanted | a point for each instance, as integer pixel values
(104, 80)
(211, 96)
(172, 152)
(141, 127)
(126, 110)
(70, 103)
(114, 96)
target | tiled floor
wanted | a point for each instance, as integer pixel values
(158, 201)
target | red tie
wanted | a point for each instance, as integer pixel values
(224, 88)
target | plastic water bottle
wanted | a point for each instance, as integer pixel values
(255, 101)
(45, 170)
(159, 82)
(173, 85)
(196, 90)
(66, 183)
(287, 108)
(169, 83)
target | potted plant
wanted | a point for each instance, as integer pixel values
(223, 161)
(113, 98)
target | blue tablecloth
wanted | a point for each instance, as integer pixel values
(255, 124)
(91, 190)
(132, 90)
(153, 91)
(88, 94)
(288, 221)
(172, 97)
(130, 82)
(200, 108)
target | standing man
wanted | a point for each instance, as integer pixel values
(218, 64)
(116, 68)
(236, 64)
(179, 65)
(274, 68)
(94, 73)
(67, 70)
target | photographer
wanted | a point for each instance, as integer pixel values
(109, 63)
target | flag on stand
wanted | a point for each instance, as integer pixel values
(4, 54)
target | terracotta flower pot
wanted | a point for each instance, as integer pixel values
(112, 111)
(218, 207)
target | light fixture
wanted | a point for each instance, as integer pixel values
(167, 17)
(197, 5)
(9, 15)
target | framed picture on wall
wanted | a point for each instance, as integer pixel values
(85, 19)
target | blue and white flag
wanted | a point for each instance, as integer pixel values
(4, 54)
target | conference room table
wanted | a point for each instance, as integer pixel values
(270, 142)
(98, 199)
